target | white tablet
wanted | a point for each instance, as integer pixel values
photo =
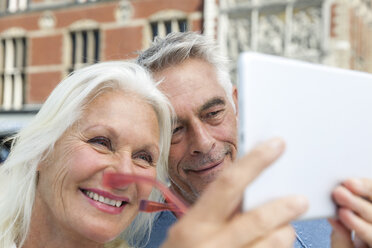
(325, 116)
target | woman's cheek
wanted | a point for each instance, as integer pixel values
(144, 189)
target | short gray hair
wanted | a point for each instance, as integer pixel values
(177, 47)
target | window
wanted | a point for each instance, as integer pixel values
(84, 48)
(165, 22)
(12, 72)
(163, 27)
(85, 1)
(15, 5)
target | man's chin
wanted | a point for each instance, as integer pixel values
(199, 181)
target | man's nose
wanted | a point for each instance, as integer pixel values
(201, 140)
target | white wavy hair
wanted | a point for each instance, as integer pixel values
(61, 110)
(177, 47)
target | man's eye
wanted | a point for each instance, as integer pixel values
(177, 129)
(102, 141)
(213, 114)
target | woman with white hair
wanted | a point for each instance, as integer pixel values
(106, 118)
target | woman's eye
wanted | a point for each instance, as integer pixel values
(145, 157)
(102, 141)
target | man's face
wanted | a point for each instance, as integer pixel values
(204, 140)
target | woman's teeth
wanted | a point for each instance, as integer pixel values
(102, 199)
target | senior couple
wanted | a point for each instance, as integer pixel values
(112, 118)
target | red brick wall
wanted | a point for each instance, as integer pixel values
(101, 13)
(146, 8)
(197, 25)
(25, 21)
(118, 41)
(40, 85)
(46, 50)
(121, 43)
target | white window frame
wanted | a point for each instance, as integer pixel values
(87, 37)
(85, 1)
(13, 6)
(13, 51)
(162, 19)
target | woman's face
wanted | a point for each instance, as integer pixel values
(117, 133)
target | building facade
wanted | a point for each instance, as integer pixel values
(41, 41)
(331, 32)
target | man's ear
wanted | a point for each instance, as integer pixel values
(235, 99)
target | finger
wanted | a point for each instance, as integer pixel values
(280, 238)
(224, 194)
(346, 199)
(341, 236)
(353, 222)
(358, 243)
(256, 224)
(361, 187)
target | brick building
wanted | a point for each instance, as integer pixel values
(41, 41)
(49, 39)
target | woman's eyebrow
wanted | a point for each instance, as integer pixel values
(152, 148)
(211, 103)
(101, 127)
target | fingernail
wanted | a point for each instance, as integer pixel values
(356, 183)
(302, 202)
(276, 144)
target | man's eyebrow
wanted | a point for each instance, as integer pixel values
(211, 103)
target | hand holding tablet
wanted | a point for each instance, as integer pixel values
(323, 114)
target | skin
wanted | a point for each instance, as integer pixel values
(204, 144)
(210, 134)
(354, 199)
(211, 225)
(204, 140)
(117, 133)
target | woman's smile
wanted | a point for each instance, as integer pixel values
(105, 201)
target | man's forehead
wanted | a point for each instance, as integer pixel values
(191, 89)
(178, 88)
(190, 75)
(191, 86)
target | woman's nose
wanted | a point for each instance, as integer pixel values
(125, 164)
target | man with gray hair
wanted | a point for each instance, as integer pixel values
(195, 78)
